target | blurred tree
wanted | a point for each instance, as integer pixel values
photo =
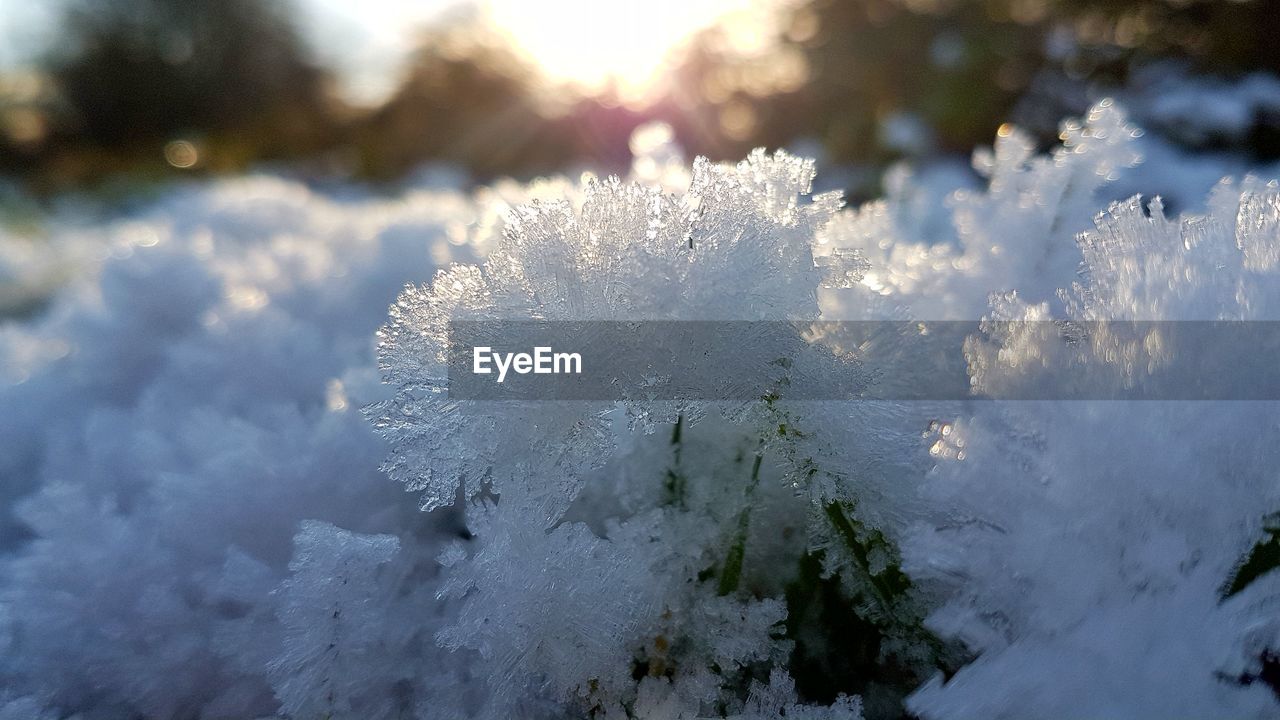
(872, 80)
(467, 99)
(868, 80)
(464, 99)
(1219, 36)
(140, 72)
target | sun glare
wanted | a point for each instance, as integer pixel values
(597, 45)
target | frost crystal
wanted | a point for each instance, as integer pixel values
(738, 245)
(1092, 537)
(194, 525)
(329, 604)
(658, 589)
(1018, 234)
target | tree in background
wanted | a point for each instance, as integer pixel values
(868, 81)
(464, 99)
(233, 74)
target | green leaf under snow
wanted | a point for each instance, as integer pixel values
(1262, 559)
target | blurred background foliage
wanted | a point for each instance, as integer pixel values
(137, 90)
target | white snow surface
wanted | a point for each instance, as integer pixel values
(195, 523)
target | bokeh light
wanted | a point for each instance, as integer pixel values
(181, 154)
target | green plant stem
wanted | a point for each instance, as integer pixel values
(676, 484)
(731, 574)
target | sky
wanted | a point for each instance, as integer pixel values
(593, 44)
(25, 28)
(366, 41)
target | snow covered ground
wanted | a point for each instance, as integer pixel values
(200, 453)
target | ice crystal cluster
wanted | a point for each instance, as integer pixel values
(653, 596)
(736, 246)
(195, 402)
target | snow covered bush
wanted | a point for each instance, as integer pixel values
(664, 575)
(171, 417)
(195, 524)
(1125, 540)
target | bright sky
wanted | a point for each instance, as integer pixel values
(596, 44)
(25, 29)
(590, 43)
(368, 40)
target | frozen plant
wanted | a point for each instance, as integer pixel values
(648, 528)
(193, 524)
(172, 415)
(736, 246)
(942, 253)
(1113, 558)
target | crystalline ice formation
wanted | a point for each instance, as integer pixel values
(194, 524)
(330, 603)
(181, 403)
(1092, 541)
(566, 632)
(738, 245)
(1017, 234)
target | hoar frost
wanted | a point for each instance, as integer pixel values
(651, 553)
(737, 246)
(196, 526)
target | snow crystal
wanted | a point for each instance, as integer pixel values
(194, 523)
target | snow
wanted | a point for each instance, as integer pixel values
(195, 522)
